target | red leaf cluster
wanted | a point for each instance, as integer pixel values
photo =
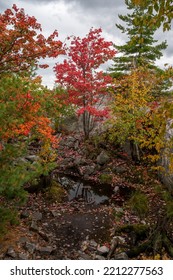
(22, 44)
(79, 75)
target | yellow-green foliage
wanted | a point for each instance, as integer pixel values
(130, 104)
(140, 117)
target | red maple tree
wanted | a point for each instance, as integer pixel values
(22, 44)
(79, 75)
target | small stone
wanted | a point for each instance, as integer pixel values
(119, 239)
(46, 250)
(30, 247)
(93, 243)
(121, 256)
(119, 169)
(88, 170)
(55, 213)
(11, 253)
(37, 216)
(103, 250)
(116, 189)
(23, 256)
(103, 158)
(34, 226)
(84, 245)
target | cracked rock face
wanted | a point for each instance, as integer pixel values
(166, 174)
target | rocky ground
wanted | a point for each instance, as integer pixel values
(81, 228)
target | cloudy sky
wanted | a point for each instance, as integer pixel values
(76, 17)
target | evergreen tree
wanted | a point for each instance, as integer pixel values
(140, 49)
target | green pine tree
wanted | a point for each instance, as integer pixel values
(141, 48)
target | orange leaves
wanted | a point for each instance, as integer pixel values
(22, 103)
(21, 44)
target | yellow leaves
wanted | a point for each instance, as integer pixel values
(138, 116)
(47, 154)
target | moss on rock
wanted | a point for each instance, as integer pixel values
(56, 192)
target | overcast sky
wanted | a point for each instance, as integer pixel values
(76, 17)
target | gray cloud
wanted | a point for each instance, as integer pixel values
(76, 17)
(89, 4)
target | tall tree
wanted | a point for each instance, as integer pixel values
(86, 86)
(140, 49)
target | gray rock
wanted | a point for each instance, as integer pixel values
(37, 216)
(23, 240)
(119, 169)
(93, 243)
(55, 213)
(79, 161)
(88, 170)
(166, 174)
(23, 256)
(70, 124)
(70, 142)
(11, 252)
(46, 250)
(121, 256)
(30, 247)
(34, 226)
(103, 250)
(120, 240)
(103, 158)
(116, 189)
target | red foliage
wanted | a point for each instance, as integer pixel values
(21, 44)
(86, 87)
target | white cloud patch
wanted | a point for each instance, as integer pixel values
(76, 17)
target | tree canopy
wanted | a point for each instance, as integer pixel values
(21, 44)
(86, 86)
(141, 48)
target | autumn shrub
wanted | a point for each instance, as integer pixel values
(139, 117)
(23, 120)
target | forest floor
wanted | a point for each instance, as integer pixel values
(79, 229)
